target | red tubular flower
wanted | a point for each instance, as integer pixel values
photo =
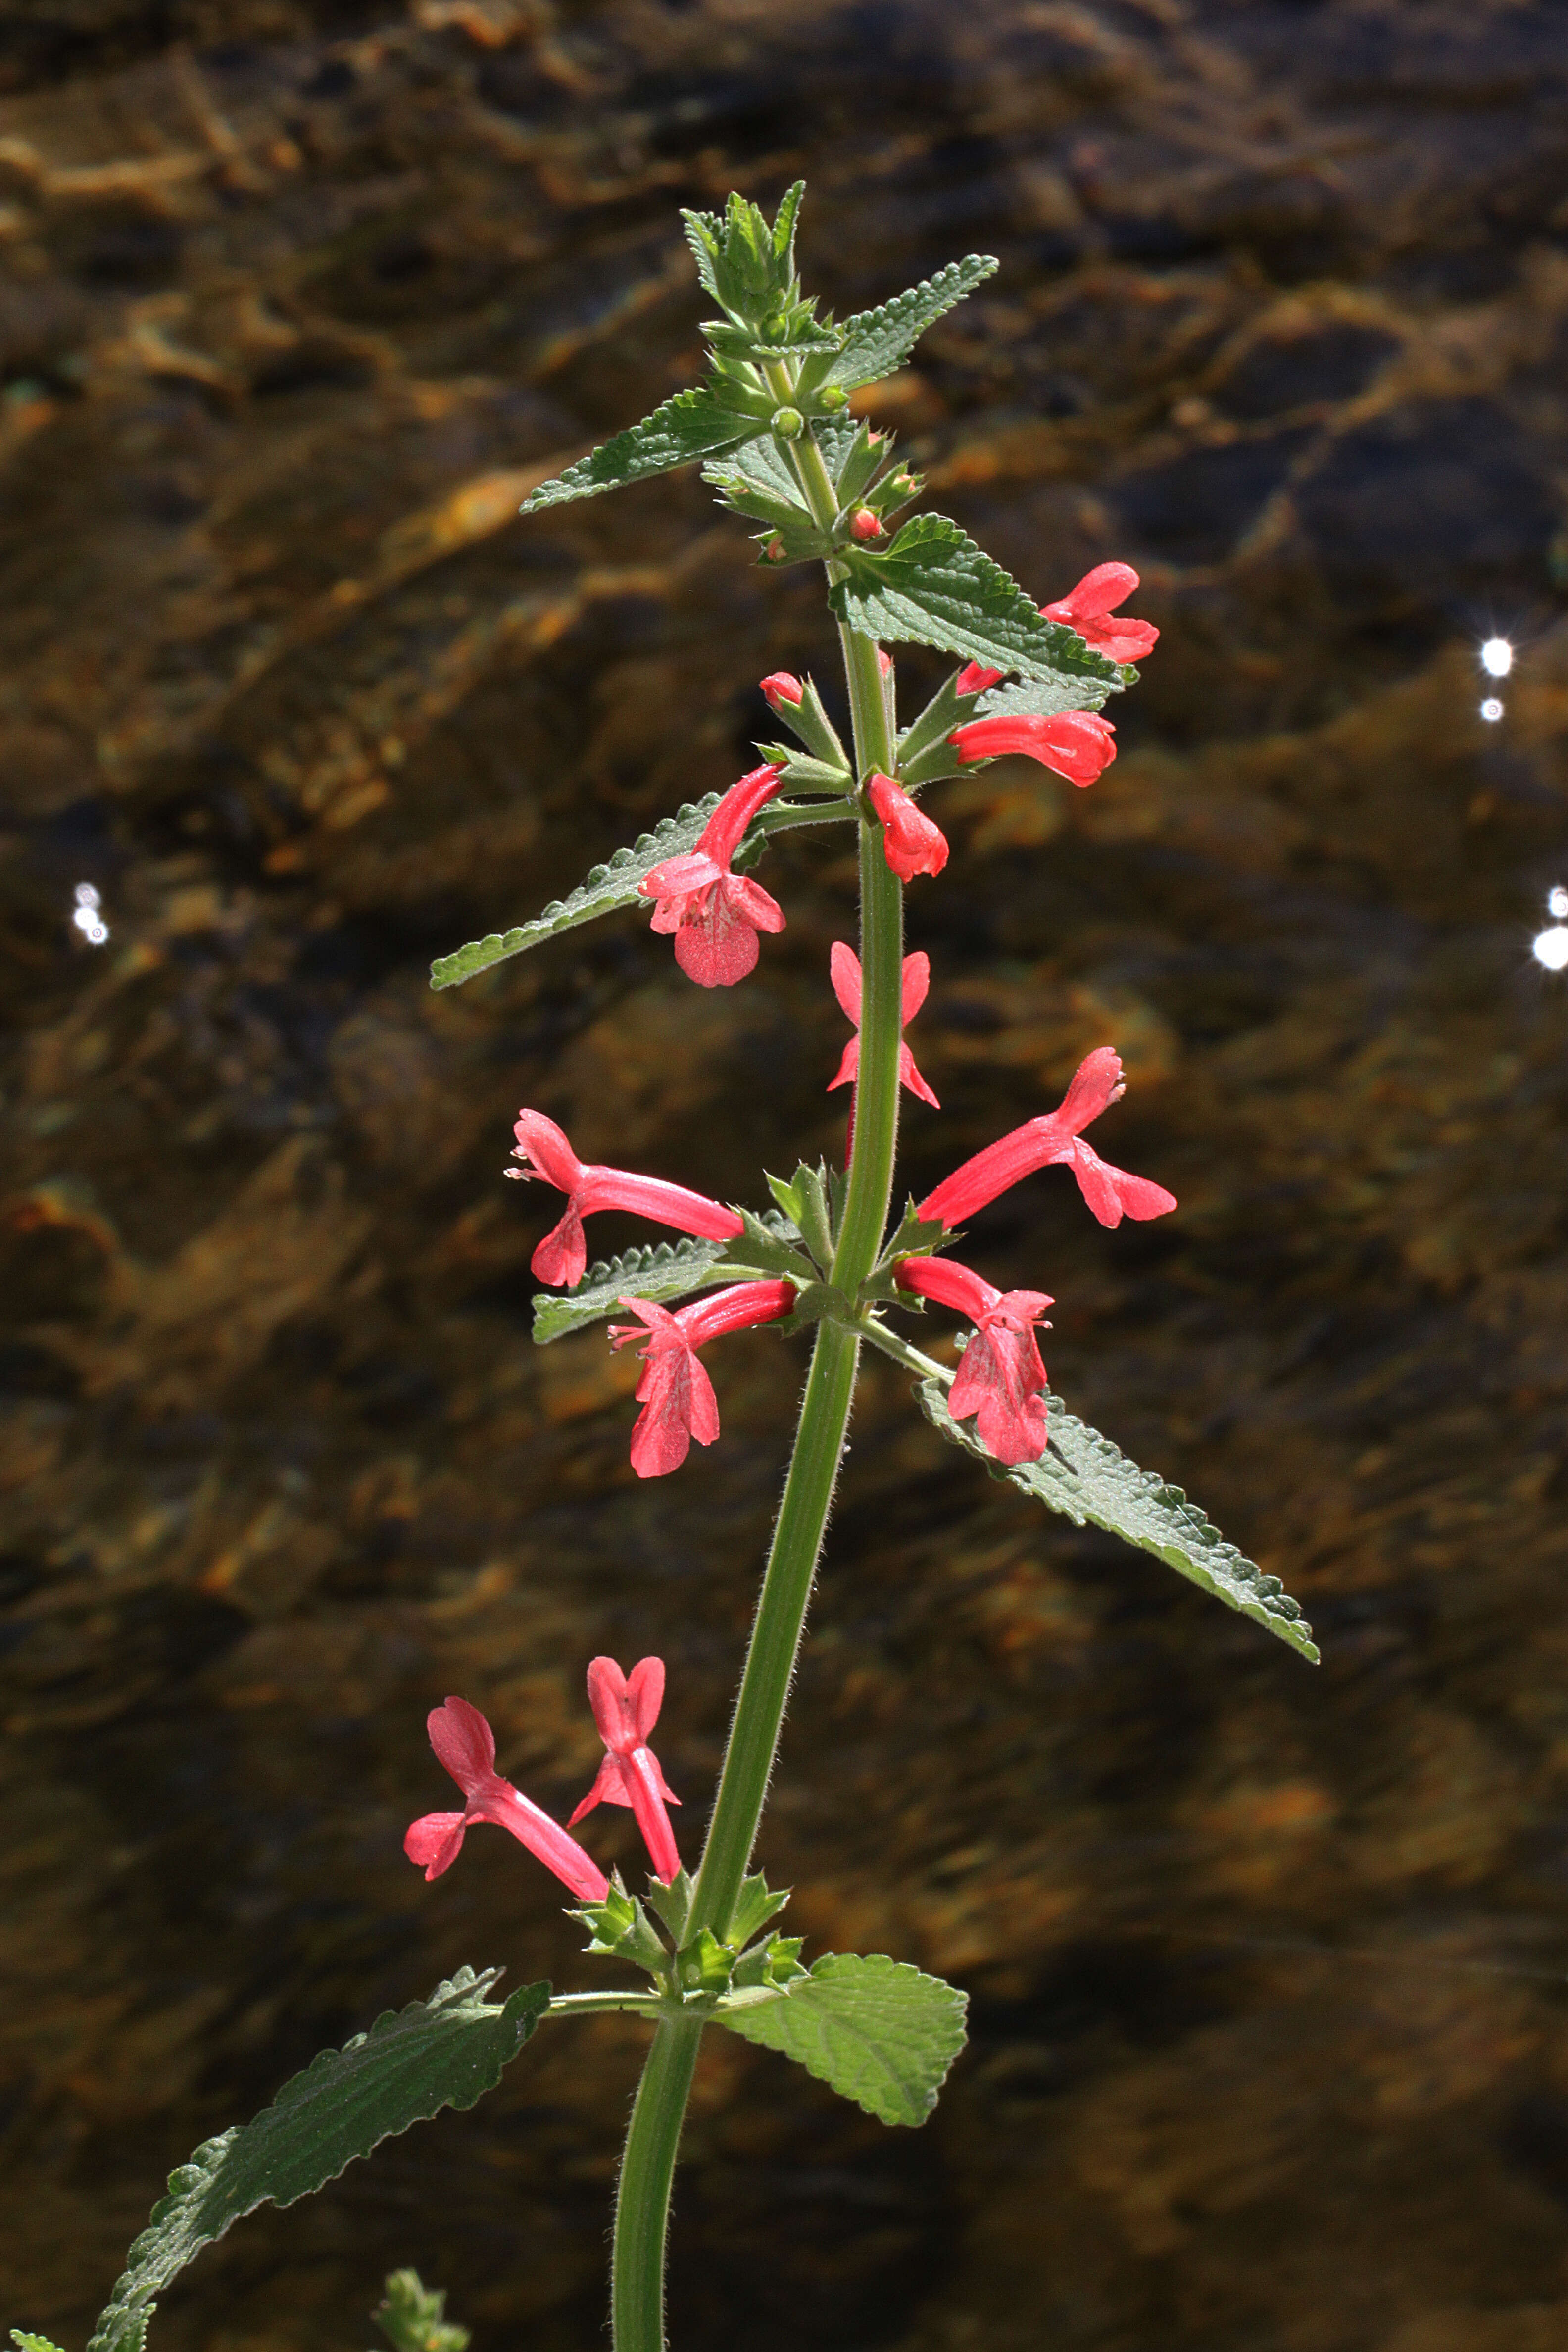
(910, 842)
(626, 1709)
(716, 915)
(675, 1392)
(1088, 607)
(563, 1254)
(782, 686)
(973, 678)
(1044, 1142)
(844, 966)
(1078, 744)
(465, 1746)
(1001, 1379)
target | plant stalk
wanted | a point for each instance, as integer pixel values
(647, 2175)
(649, 2167)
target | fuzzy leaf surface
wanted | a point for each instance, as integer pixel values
(1042, 698)
(662, 1271)
(446, 2052)
(1092, 1482)
(932, 586)
(876, 2030)
(614, 885)
(875, 341)
(603, 889)
(690, 426)
(764, 463)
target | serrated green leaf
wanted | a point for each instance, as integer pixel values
(663, 1271)
(1092, 1482)
(446, 2052)
(614, 885)
(875, 341)
(765, 464)
(690, 426)
(666, 1270)
(29, 2343)
(785, 220)
(705, 235)
(932, 586)
(603, 889)
(1043, 697)
(876, 2030)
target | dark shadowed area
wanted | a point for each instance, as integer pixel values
(1269, 1965)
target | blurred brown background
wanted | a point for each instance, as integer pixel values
(1268, 1964)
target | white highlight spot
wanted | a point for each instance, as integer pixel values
(1557, 902)
(1551, 948)
(1497, 658)
(87, 918)
(1491, 710)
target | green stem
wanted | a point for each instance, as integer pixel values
(911, 1358)
(647, 2174)
(590, 2004)
(649, 2167)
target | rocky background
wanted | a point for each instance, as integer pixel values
(1268, 1964)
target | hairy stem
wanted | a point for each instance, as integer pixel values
(647, 2174)
(648, 2167)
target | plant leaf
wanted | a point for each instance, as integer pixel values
(690, 426)
(664, 1270)
(877, 2030)
(934, 585)
(1043, 697)
(614, 885)
(603, 889)
(1090, 1481)
(446, 2052)
(667, 1270)
(876, 341)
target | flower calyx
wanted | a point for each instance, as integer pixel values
(808, 1201)
(797, 701)
(619, 1928)
(916, 1236)
(709, 1966)
(763, 1249)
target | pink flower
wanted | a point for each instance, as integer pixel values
(1088, 607)
(884, 661)
(782, 686)
(1110, 1192)
(626, 1709)
(865, 523)
(1078, 744)
(845, 965)
(465, 1746)
(1001, 1379)
(910, 842)
(973, 678)
(714, 914)
(675, 1393)
(563, 1254)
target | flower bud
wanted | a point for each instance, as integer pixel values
(865, 524)
(788, 424)
(775, 552)
(782, 686)
(833, 397)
